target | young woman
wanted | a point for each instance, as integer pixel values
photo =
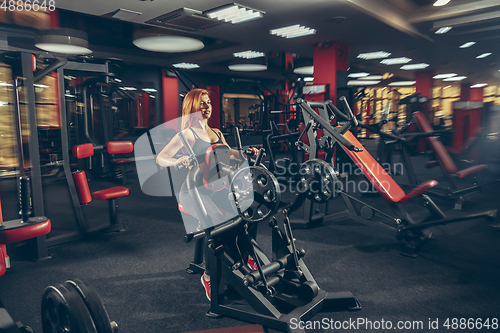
(196, 110)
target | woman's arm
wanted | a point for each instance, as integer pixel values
(165, 157)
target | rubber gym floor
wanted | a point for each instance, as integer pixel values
(141, 278)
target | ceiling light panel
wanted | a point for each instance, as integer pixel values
(293, 31)
(396, 61)
(466, 45)
(479, 85)
(443, 30)
(185, 65)
(455, 78)
(402, 83)
(307, 70)
(157, 42)
(374, 55)
(362, 83)
(358, 75)
(308, 79)
(443, 76)
(247, 67)
(372, 77)
(441, 3)
(414, 66)
(484, 55)
(249, 54)
(234, 13)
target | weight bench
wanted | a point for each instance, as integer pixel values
(404, 226)
(448, 166)
(82, 186)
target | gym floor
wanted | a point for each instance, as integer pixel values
(141, 278)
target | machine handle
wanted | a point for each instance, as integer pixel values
(325, 124)
(347, 108)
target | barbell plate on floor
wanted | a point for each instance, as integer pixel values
(94, 305)
(63, 310)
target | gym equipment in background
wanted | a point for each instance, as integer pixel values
(402, 224)
(69, 307)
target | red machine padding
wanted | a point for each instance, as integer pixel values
(182, 210)
(20, 234)
(436, 144)
(473, 169)
(119, 147)
(84, 150)
(419, 190)
(383, 183)
(120, 161)
(82, 187)
(111, 193)
(3, 265)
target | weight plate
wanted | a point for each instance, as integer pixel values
(94, 305)
(257, 190)
(63, 310)
(317, 180)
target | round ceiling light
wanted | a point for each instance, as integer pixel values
(158, 42)
(306, 70)
(248, 65)
(65, 41)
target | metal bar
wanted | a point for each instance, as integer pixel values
(82, 224)
(424, 225)
(36, 175)
(51, 68)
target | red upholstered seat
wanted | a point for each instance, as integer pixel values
(119, 147)
(419, 190)
(380, 179)
(83, 150)
(23, 233)
(111, 193)
(120, 161)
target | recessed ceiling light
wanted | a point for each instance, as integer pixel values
(307, 70)
(396, 61)
(443, 30)
(440, 3)
(293, 31)
(362, 83)
(414, 66)
(479, 85)
(402, 83)
(154, 40)
(372, 77)
(128, 88)
(443, 76)
(484, 55)
(374, 55)
(248, 54)
(357, 75)
(234, 13)
(5, 84)
(466, 45)
(149, 90)
(64, 41)
(308, 79)
(185, 65)
(455, 78)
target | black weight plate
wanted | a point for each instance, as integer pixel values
(94, 305)
(64, 311)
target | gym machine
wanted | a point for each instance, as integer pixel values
(72, 306)
(401, 223)
(282, 287)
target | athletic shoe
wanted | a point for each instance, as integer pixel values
(206, 285)
(252, 264)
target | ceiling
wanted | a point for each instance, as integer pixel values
(405, 28)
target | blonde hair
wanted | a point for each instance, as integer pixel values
(191, 104)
